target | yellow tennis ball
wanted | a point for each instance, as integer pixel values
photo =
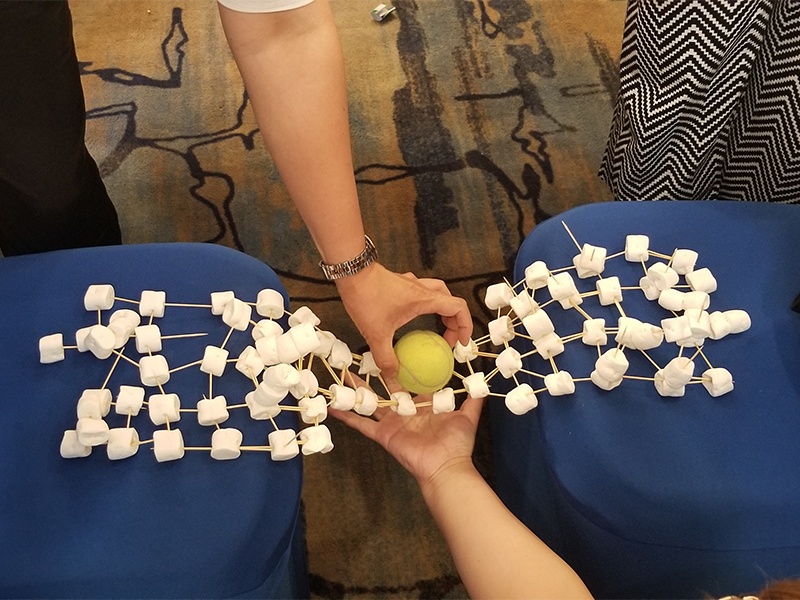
(426, 361)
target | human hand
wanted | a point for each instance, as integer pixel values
(380, 301)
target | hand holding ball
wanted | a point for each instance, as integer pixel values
(426, 362)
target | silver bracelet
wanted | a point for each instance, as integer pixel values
(352, 266)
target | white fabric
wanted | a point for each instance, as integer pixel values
(262, 6)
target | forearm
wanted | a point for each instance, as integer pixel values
(496, 555)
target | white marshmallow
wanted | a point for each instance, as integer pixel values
(80, 338)
(549, 345)
(316, 440)
(168, 444)
(559, 384)
(212, 411)
(739, 320)
(281, 377)
(307, 386)
(249, 363)
(464, 354)
(148, 339)
(260, 412)
(671, 299)
(602, 383)
(666, 390)
(340, 357)
(612, 364)
(637, 248)
(538, 324)
(717, 381)
(646, 337)
(651, 292)
(288, 352)
(609, 291)
(214, 361)
(265, 395)
(368, 365)
(501, 330)
(508, 362)
(498, 296)
(342, 397)
(701, 281)
(626, 326)
(71, 447)
(678, 372)
(303, 315)
(662, 275)
(99, 297)
(590, 262)
(164, 408)
(100, 341)
(304, 337)
(51, 348)
(123, 442)
(404, 404)
(366, 401)
(283, 444)
(219, 300)
(444, 401)
(94, 404)
(152, 303)
(125, 314)
(315, 409)
(536, 275)
(270, 304)
(594, 332)
(697, 299)
(267, 348)
(676, 328)
(521, 399)
(226, 444)
(523, 304)
(236, 314)
(476, 385)
(562, 288)
(326, 340)
(130, 400)
(123, 323)
(683, 261)
(91, 432)
(699, 322)
(720, 327)
(266, 328)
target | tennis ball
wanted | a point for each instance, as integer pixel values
(426, 361)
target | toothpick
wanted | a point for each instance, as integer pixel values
(176, 336)
(114, 366)
(192, 364)
(570, 235)
(184, 305)
(133, 362)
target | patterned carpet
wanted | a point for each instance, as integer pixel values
(472, 121)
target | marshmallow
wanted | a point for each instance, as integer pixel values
(521, 399)
(303, 315)
(342, 397)
(270, 303)
(366, 401)
(340, 357)
(696, 299)
(304, 337)
(559, 384)
(536, 275)
(125, 314)
(283, 444)
(677, 372)
(501, 330)
(148, 339)
(80, 338)
(594, 332)
(307, 386)
(549, 345)
(267, 348)
(683, 261)
(609, 291)
(100, 341)
(219, 300)
(168, 444)
(94, 404)
(590, 262)
(281, 377)
(403, 404)
(676, 328)
(226, 443)
(508, 362)
(538, 324)
(316, 439)
(602, 383)
(212, 411)
(611, 365)
(625, 330)
(498, 296)
(51, 348)
(288, 352)
(91, 432)
(671, 299)
(249, 363)
(562, 288)
(123, 442)
(152, 303)
(123, 324)
(739, 320)
(315, 409)
(260, 412)
(476, 385)
(266, 395)
(326, 339)
(717, 381)
(236, 314)
(266, 328)
(662, 275)
(443, 401)
(637, 248)
(701, 281)
(666, 390)
(71, 447)
(467, 353)
(129, 400)
(214, 361)
(99, 297)
(523, 304)
(719, 325)
(164, 408)
(646, 337)
(699, 322)
(651, 292)
(368, 365)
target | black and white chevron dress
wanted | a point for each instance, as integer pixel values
(709, 102)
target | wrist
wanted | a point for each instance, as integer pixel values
(447, 477)
(353, 265)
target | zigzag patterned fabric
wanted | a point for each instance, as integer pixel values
(709, 102)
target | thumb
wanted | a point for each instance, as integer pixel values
(386, 359)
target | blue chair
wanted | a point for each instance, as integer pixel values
(92, 527)
(654, 497)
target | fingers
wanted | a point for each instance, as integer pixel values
(367, 427)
